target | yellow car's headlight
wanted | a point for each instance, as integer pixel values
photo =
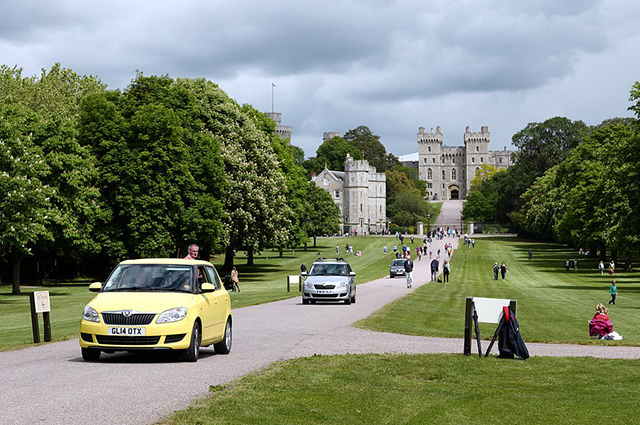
(90, 315)
(172, 315)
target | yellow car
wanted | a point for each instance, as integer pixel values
(158, 304)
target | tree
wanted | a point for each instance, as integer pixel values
(543, 145)
(408, 208)
(332, 154)
(369, 144)
(322, 215)
(25, 204)
(485, 173)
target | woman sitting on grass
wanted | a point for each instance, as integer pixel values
(600, 325)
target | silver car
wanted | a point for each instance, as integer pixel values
(397, 268)
(329, 280)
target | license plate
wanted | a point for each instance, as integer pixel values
(324, 291)
(126, 331)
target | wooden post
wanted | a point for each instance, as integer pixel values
(34, 318)
(47, 326)
(288, 285)
(467, 326)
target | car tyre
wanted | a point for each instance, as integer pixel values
(391, 276)
(91, 354)
(312, 301)
(224, 346)
(305, 301)
(348, 301)
(193, 352)
(353, 299)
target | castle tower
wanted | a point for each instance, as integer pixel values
(356, 190)
(430, 161)
(328, 135)
(283, 131)
(477, 153)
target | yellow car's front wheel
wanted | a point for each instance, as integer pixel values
(192, 353)
(224, 346)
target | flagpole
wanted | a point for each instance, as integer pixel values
(272, 86)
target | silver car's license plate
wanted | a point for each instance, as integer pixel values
(126, 331)
(324, 291)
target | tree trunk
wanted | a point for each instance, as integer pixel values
(305, 245)
(228, 259)
(15, 279)
(314, 241)
(628, 260)
(593, 250)
(250, 256)
(614, 255)
(603, 252)
(281, 252)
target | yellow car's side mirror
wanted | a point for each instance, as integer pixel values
(207, 287)
(95, 287)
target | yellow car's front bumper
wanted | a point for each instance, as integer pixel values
(165, 336)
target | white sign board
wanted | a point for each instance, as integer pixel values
(42, 301)
(293, 279)
(490, 309)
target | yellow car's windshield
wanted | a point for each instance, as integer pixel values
(151, 277)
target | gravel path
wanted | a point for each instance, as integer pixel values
(51, 384)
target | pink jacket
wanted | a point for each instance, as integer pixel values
(600, 325)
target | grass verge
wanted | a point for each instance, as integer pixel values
(420, 389)
(554, 305)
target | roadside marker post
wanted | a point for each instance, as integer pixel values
(39, 302)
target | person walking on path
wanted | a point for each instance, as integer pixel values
(575, 264)
(303, 268)
(446, 269)
(408, 270)
(503, 270)
(530, 254)
(613, 291)
(337, 250)
(234, 280)
(496, 269)
(434, 269)
(566, 265)
(612, 268)
(601, 268)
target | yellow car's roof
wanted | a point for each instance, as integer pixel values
(167, 261)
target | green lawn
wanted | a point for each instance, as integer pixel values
(264, 282)
(553, 305)
(426, 389)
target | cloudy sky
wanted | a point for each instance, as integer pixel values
(337, 64)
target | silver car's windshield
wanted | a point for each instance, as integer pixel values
(329, 270)
(150, 277)
(398, 262)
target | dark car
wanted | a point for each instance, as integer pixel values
(397, 268)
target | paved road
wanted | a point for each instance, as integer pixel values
(449, 214)
(51, 384)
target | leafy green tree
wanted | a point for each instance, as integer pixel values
(485, 173)
(332, 154)
(369, 144)
(54, 100)
(25, 205)
(322, 215)
(408, 208)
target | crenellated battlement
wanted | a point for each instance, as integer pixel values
(432, 137)
(482, 136)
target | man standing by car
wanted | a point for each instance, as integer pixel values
(408, 270)
(193, 252)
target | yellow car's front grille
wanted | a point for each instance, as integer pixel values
(127, 340)
(134, 319)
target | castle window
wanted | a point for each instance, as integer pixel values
(425, 160)
(453, 160)
(477, 148)
(444, 176)
(336, 194)
(463, 174)
(429, 148)
(481, 159)
(500, 160)
(434, 160)
(453, 174)
(473, 160)
(326, 181)
(429, 174)
(477, 171)
(360, 207)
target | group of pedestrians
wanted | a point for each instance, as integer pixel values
(501, 269)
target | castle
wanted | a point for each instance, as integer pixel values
(448, 170)
(359, 192)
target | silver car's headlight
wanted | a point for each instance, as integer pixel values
(90, 315)
(172, 315)
(308, 285)
(344, 284)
